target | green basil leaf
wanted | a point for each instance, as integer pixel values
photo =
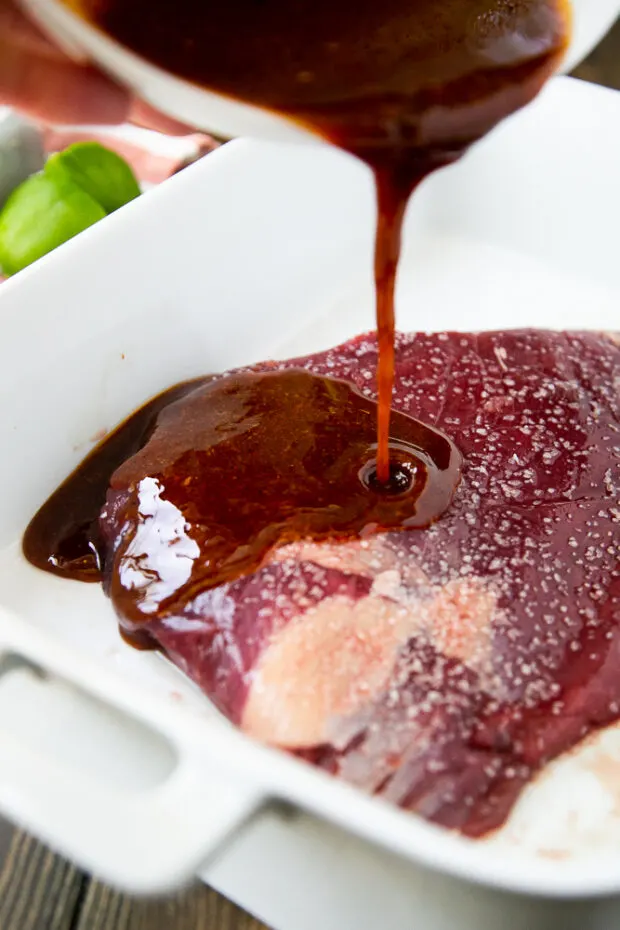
(40, 214)
(98, 171)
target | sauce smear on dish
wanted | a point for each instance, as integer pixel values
(406, 85)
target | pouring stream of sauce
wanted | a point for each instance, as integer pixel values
(406, 85)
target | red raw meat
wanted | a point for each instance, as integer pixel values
(440, 668)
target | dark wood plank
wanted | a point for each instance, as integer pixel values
(41, 891)
(197, 908)
(38, 890)
(603, 65)
(6, 837)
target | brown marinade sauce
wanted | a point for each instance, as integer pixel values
(252, 460)
(63, 537)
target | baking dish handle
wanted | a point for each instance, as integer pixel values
(146, 840)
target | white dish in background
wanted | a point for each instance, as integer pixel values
(21, 151)
(262, 251)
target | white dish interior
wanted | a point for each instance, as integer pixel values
(265, 251)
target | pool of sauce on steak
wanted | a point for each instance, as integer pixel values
(255, 460)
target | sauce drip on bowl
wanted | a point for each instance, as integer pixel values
(406, 85)
(234, 467)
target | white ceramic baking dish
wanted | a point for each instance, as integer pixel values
(258, 251)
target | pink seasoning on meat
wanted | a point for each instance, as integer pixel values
(438, 668)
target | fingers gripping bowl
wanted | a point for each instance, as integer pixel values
(554, 272)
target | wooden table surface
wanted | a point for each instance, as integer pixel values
(40, 891)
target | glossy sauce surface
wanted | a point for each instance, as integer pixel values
(64, 536)
(247, 462)
(406, 85)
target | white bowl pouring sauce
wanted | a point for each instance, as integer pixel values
(222, 116)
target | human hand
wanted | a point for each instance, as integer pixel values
(37, 79)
